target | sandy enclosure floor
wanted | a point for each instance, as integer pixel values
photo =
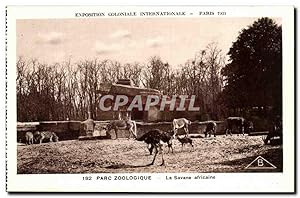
(220, 154)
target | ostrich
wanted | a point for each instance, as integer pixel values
(153, 137)
(166, 137)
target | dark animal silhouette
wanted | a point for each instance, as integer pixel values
(153, 137)
(167, 138)
(274, 131)
(185, 140)
(210, 129)
(235, 122)
(122, 125)
(240, 123)
(249, 126)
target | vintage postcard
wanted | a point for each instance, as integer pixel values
(150, 99)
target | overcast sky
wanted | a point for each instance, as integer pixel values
(175, 40)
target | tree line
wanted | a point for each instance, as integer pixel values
(67, 90)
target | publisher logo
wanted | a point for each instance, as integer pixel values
(260, 163)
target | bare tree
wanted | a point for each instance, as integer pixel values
(133, 72)
(215, 61)
(157, 74)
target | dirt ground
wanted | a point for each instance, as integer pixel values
(220, 154)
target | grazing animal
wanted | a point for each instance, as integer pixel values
(122, 125)
(46, 136)
(210, 129)
(185, 140)
(153, 137)
(237, 122)
(29, 138)
(181, 123)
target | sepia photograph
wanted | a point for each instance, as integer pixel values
(65, 74)
(144, 92)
